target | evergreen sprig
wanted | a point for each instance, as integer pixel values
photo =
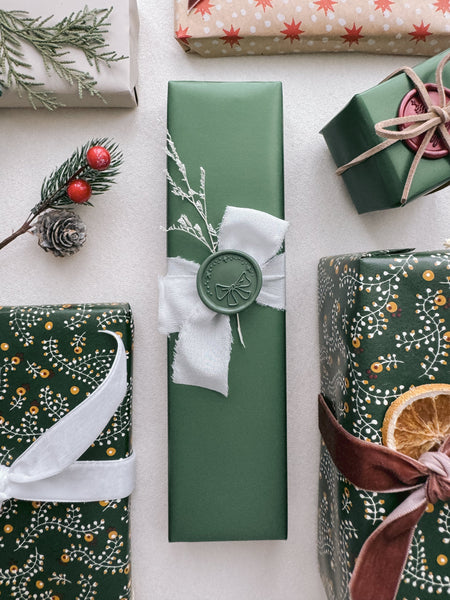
(84, 30)
(54, 187)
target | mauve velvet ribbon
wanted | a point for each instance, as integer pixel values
(369, 466)
(435, 118)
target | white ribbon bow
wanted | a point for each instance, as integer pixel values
(49, 470)
(203, 349)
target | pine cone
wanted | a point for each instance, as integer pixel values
(61, 232)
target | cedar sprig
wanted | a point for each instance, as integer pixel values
(54, 188)
(84, 30)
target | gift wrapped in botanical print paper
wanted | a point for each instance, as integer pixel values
(78, 53)
(248, 27)
(66, 466)
(384, 510)
(391, 143)
(221, 303)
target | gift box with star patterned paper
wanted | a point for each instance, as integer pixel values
(221, 305)
(384, 328)
(242, 27)
(60, 365)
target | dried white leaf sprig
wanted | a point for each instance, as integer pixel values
(204, 232)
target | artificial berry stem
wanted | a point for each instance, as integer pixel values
(49, 200)
(97, 155)
(28, 223)
(23, 229)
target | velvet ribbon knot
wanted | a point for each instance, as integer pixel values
(433, 120)
(438, 483)
(369, 466)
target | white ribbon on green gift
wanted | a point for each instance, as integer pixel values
(49, 469)
(203, 348)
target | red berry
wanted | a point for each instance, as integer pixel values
(79, 191)
(98, 158)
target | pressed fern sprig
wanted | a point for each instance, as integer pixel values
(84, 30)
(204, 232)
(54, 191)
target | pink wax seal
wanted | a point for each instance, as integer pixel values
(412, 104)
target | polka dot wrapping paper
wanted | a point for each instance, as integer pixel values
(251, 27)
(51, 359)
(384, 327)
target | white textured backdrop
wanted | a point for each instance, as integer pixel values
(125, 253)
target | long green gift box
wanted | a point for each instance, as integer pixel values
(51, 359)
(384, 327)
(227, 455)
(378, 182)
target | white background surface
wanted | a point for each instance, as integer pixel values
(125, 253)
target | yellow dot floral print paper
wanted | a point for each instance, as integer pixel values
(51, 359)
(250, 27)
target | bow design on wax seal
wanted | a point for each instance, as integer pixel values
(431, 119)
(236, 290)
(49, 469)
(369, 466)
(203, 349)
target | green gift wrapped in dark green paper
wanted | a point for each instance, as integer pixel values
(406, 120)
(66, 465)
(384, 329)
(223, 296)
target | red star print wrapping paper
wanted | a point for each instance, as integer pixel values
(251, 27)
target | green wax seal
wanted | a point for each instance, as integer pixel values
(229, 281)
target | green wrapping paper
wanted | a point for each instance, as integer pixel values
(384, 327)
(227, 455)
(51, 359)
(378, 182)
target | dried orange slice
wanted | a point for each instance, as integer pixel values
(418, 421)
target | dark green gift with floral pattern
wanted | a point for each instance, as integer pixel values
(384, 327)
(52, 358)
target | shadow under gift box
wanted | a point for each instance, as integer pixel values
(227, 455)
(116, 83)
(384, 327)
(378, 182)
(51, 359)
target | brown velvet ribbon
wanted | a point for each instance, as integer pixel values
(192, 4)
(433, 119)
(369, 466)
